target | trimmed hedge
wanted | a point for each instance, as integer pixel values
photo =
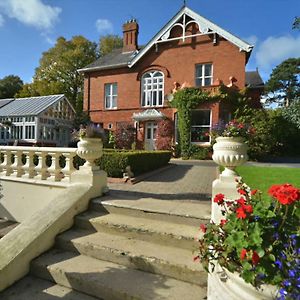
(115, 162)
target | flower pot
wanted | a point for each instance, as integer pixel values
(89, 149)
(230, 152)
(224, 285)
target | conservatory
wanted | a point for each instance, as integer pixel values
(41, 121)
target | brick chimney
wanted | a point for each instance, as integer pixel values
(130, 35)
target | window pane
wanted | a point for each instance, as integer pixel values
(200, 134)
(152, 88)
(115, 89)
(207, 70)
(199, 70)
(114, 104)
(207, 81)
(201, 117)
(107, 102)
(198, 81)
(107, 89)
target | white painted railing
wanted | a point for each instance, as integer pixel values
(38, 163)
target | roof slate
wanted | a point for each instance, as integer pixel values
(112, 60)
(31, 106)
(4, 102)
(253, 79)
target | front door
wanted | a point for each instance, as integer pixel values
(150, 135)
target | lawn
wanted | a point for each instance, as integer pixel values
(263, 177)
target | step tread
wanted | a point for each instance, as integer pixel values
(141, 224)
(131, 247)
(39, 289)
(199, 210)
(103, 278)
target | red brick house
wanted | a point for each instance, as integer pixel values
(134, 84)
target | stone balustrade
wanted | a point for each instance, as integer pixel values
(38, 163)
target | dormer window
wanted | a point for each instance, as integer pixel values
(152, 89)
(204, 74)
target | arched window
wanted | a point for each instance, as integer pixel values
(152, 88)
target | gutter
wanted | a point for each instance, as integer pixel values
(85, 70)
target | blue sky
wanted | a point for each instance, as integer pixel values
(29, 27)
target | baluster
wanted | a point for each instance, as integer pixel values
(41, 168)
(6, 165)
(29, 167)
(17, 166)
(69, 167)
(55, 169)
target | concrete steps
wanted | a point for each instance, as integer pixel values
(136, 254)
(32, 288)
(106, 280)
(125, 249)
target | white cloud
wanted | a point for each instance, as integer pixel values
(252, 39)
(1, 20)
(274, 50)
(31, 12)
(104, 26)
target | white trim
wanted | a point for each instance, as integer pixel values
(145, 90)
(164, 32)
(203, 126)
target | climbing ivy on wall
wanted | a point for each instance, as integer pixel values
(185, 101)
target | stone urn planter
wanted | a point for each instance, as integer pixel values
(89, 149)
(230, 152)
(224, 285)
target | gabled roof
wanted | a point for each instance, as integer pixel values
(205, 26)
(31, 106)
(253, 79)
(114, 59)
(117, 59)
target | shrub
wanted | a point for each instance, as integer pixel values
(165, 130)
(197, 152)
(125, 135)
(115, 162)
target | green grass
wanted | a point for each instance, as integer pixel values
(262, 178)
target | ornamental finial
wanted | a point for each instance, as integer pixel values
(184, 2)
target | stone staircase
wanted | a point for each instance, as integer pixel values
(122, 249)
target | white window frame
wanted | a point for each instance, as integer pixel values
(203, 126)
(109, 98)
(203, 77)
(148, 89)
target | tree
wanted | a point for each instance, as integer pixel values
(57, 72)
(296, 24)
(284, 86)
(9, 86)
(108, 43)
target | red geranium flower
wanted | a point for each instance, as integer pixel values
(241, 201)
(240, 213)
(242, 192)
(248, 208)
(203, 228)
(219, 199)
(254, 192)
(255, 258)
(243, 253)
(285, 193)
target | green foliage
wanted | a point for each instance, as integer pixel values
(274, 135)
(108, 43)
(165, 131)
(284, 85)
(57, 72)
(197, 152)
(292, 113)
(115, 162)
(9, 86)
(185, 100)
(124, 135)
(296, 24)
(259, 238)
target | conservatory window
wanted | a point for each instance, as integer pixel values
(111, 95)
(152, 89)
(201, 123)
(204, 75)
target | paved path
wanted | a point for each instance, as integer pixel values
(185, 180)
